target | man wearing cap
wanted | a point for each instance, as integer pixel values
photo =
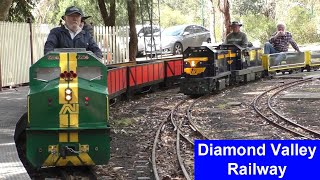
(236, 36)
(71, 35)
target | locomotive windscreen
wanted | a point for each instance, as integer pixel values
(47, 73)
(89, 73)
(199, 53)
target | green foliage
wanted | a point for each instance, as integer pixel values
(257, 7)
(167, 19)
(182, 12)
(241, 7)
(20, 10)
(51, 11)
(302, 26)
(258, 27)
(299, 16)
(258, 16)
(122, 13)
(89, 7)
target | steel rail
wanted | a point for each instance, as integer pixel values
(257, 99)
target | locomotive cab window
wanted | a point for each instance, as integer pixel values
(89, 73)
(47, 74)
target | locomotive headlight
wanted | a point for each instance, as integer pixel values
(68, 91)
(68, 97)
(68, 94)
(193, 64)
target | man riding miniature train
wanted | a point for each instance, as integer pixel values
(236, 36)
(71, 34)
(279, 42)
(238, 41)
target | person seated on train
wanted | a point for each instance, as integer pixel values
(236, 36)
(279, 42)
(71, 35)
(87, 26)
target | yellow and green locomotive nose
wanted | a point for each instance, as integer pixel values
(68, 111)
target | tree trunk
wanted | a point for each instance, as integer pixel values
(112, 16)
(225, 10)
(108, 19)
(226, 13)
(5, 6)
(131, 5)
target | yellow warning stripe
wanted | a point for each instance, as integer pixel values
(80, 160)
(74, 83)
(196, 59)
(68, 117)
(63, 84)
(74, 117)
(228, 55)
(194, 71)
(69, 113)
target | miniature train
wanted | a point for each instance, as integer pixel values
(67, 123)
(211, 68)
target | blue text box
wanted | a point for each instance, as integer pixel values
(257, 159)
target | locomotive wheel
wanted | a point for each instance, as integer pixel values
(21, 127)
(20, 140)
(308, 68)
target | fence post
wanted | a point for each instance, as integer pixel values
(29, 20)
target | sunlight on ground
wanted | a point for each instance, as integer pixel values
(10, 169)
(253, 93)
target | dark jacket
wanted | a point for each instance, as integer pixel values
(59, 37)
(238, 38)
(89, 28)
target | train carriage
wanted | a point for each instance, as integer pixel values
(173, 71)
(117, 81)
(312, 60)
(284, 62)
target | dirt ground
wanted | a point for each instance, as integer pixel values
(226, 115)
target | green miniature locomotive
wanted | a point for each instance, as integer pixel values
(68, 111)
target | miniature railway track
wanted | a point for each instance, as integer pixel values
(64, 173)
(79, 173)
(180, 118)
(277, 119)
(69, 173)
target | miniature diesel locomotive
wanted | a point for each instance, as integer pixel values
(204, 71)
(67, 122)
(207, 69)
